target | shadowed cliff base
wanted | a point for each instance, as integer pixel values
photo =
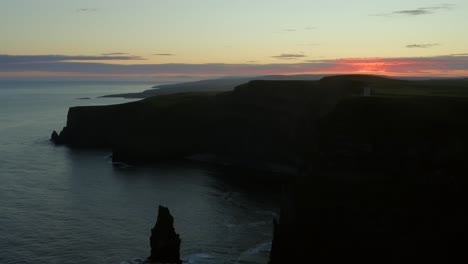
(417, 216)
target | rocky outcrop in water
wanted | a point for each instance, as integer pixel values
(55, 137)
(61, 138)
(165, 242)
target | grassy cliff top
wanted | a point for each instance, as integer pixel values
(385, 86)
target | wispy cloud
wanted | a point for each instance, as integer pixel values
(86, 10)
(414, 12)
(163, 54)
(418, 11)
(25, 59)
(308, 44)
(114, 54)
(289, 56)
(297, 30)
(422, 46)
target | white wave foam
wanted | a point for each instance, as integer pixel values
(259, 223)
(134, 261)
(120, 165)
(191, 259)
(264, 247)
(257, 254)
(269, 213)
(197, 258)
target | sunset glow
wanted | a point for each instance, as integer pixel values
(153, 39)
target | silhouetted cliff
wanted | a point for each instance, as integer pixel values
(262, 121)
(382, 173)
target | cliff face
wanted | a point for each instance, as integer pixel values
(395, 133)
(163, 127)
(322, 122)
(264, 121)
(388, 185)
(289, 122)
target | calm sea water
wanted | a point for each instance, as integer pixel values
(59, 205)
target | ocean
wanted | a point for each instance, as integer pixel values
(62, 205)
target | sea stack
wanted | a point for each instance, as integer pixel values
(165, 242)
(55, 137)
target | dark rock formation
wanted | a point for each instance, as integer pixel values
(55, 137)
(61, 138)
(165, 242)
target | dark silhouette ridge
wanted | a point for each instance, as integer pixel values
(164, 241)
(211, 85)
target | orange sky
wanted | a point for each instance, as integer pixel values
(153, 39)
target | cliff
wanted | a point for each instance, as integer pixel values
(261, 121)
(382, 175)
(388, 185)
(326, 122)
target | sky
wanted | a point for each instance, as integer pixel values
(183, 39)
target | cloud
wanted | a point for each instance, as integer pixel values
(86, 10)
(419, 11)
(289, 56)
(114, 54)
(164, 54)
(459, 54)
(25, 59)
(422, 46)
(446, 65)
(414, 12)
(317, 61)
(308, 44)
